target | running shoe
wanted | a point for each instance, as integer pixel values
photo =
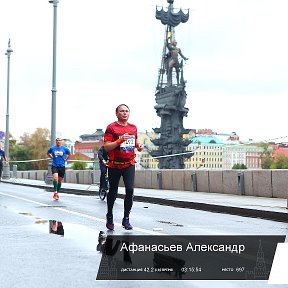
(56, 196)
(126, 224)
(109, 222)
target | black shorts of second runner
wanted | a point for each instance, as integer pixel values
(59, 170)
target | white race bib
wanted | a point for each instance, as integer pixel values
(128, 145)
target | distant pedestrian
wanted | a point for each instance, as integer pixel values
(120, 140)
(59, 155)
(103, 161)
(2, 157)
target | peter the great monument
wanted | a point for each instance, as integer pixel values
(170, 95)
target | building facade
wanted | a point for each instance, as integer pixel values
(207, 152)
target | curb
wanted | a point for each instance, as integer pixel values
(246, 212)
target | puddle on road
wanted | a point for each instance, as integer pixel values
(170, 223)
(56, 227)
(51, 206)
(80, 234)
(41, 221)
(26, 213)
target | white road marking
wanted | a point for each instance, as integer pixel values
(151, 232)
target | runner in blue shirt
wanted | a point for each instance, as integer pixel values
(59, 155)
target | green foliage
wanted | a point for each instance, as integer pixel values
(239, 166)
(38, 143)
(266, 162)
(266, 156)
(79, 165)
(12, 143)
(32, 147)
(21, 153)
(281, 162)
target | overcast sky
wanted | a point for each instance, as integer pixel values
(109, 52)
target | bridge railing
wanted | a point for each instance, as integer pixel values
(262, 183)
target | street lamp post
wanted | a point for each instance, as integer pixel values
(54, 90)
(6, 169)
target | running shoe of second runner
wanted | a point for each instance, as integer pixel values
(126, 224)
(56, 196)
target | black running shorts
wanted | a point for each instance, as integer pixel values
(59, 170)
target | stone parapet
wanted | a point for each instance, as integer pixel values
(262, 183)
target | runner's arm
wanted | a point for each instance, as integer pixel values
(49, 155)
(139, 145)
(109, 145)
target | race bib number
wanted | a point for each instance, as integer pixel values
(128, 145)
(58, 153)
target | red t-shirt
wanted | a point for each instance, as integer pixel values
(122, 156)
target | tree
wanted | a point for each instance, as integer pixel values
(79, 165)
(243, 166)
(21, 153)
(239, 166)
(236, 166)
(38, 144)
(266, 163)
(12, 143)
(281, 162)
(266, 156)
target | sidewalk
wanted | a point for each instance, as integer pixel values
(261, 207)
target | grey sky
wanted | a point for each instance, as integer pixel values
(109, 52)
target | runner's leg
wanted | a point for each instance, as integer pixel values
(114, 178)
(61, 174)
(55, 178)
(128, 178)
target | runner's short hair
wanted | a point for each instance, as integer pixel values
(120, 106)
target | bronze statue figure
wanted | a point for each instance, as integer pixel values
(171, 60)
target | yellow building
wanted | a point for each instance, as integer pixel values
(208, 153)
(143, 159)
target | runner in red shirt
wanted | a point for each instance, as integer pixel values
(120, 141)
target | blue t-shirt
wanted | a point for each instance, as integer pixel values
(2, 154)
(58, 155)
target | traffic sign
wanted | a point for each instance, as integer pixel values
(2, 134)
